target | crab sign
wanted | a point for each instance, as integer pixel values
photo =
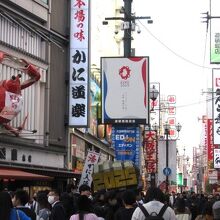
(11, 101)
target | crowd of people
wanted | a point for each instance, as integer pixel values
(130, 204)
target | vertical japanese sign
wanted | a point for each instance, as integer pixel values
(216, 105)
(79, 63)
(126, 141)
(216, 158)
(125, 89)
(210, 145)
(215, 32)
(150, 148)
(91, 159)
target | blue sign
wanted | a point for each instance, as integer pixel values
(167, 171)
(126, 142)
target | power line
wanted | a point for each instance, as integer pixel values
(172, 51)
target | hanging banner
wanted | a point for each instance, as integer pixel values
(216, 105)
(125, 89)
(91, 159)
(126, 142)
(79, 63)
(216, 160)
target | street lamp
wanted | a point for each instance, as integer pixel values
(166, 133)
(153, 95)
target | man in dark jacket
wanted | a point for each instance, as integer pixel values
(57, 211)
(19, 200)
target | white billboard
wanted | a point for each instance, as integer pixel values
(171, 161)
(79, 64)
(125, 89)
(216, 105)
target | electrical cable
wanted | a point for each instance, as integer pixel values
(172, 51)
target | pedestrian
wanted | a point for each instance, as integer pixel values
(129, 201)
(19, 201)
(155, 204)
(84, 189)
(111, 204)
(7, 212)
(44, 206)
(181, 211)
(84, 210)
(216, 210)
(57, 211)
(68, 204)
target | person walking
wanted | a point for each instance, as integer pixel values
(155, 204)
(7, 212)
(44, 206)
(129, 201)
(57, 211)
(84, 209)
(182, 212)
(19, 200)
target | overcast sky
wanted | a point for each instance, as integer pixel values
(178, 46)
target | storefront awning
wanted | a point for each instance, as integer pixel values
(21, 175)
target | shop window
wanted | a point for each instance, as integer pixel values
(14, 154)
(23, 158)
(2, 153)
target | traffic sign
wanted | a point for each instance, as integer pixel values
(166, 171)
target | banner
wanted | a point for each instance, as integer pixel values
(91, 159)
(216, 105)
(79, 63)
(126, 142)
(125, 89)
(150, 151)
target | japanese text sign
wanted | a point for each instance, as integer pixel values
(91, 159)
(126, 141)
(150, 147)
(79, 63)
(216, 105)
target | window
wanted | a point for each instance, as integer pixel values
(2, 153)
(14, 154)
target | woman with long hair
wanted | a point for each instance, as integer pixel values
(44, 206)
(7, 212)
(181, 211)
(84, 209)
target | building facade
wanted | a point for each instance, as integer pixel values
(48, 149)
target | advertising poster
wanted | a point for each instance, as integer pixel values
(126, 142)
(125, 89)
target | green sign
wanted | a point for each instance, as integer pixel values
(179, 179)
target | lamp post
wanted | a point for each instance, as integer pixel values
(166, 133)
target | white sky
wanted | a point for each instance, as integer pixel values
(177, 26)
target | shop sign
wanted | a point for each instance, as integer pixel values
(79, 63)
(91, 159)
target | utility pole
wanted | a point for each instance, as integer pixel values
(128, 25)
(127, 32)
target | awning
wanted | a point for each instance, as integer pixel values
(21, 175)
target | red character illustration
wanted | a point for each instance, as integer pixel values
(10, 92)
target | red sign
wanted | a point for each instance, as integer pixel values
(150, 147)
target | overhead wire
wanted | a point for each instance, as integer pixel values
(185, 59)
(172, 51)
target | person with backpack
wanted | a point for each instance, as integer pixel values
(154, 208)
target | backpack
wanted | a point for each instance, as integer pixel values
(153, 215)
